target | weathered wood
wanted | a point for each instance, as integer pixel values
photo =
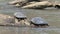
(42, 5)
(6, 20)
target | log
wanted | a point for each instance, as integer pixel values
(42, 5)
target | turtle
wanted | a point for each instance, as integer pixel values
(38, 21)
(19, 17)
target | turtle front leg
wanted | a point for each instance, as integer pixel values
(16, 21)
(26, 22)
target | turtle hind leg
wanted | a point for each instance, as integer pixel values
(44, 25)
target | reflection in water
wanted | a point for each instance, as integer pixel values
(27, 30)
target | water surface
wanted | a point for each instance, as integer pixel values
(51, 15)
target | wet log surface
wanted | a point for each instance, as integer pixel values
(6, 20)
(9, 21)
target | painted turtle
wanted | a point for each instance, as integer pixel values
(38, 21)
(19, 17)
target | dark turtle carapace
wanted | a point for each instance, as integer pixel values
(38, 21)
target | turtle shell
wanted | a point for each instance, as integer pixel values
(38, 20)
(19, 15)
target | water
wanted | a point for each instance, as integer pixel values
(51, 15)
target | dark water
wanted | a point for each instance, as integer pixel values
(51, 15)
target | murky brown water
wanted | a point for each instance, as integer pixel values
(51, 15)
